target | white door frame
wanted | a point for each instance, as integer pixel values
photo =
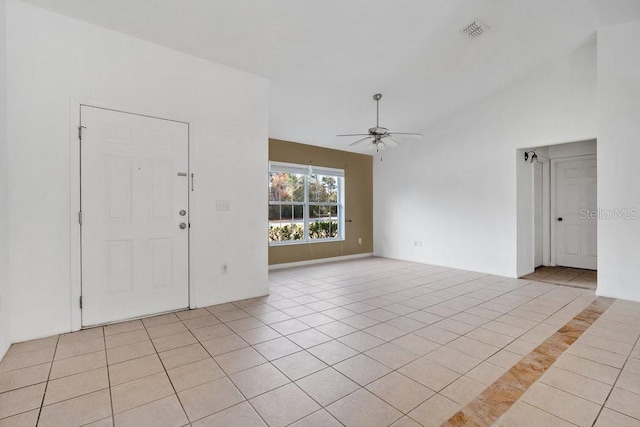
(553, 215)
(75, 259)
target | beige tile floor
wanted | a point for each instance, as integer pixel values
(587, 279)
(372, 342)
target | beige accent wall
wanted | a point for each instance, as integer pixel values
(358, 172)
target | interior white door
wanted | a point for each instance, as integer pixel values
(134, 201)
(576, 236)
(537, 213)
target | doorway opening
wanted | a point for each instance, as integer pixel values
(557, 213)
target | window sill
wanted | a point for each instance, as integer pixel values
(305, 242)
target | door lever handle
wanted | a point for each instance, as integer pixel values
(560, 219)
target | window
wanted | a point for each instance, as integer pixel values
(305, 204)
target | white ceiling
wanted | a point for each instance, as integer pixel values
(325, 59)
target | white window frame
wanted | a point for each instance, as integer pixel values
(307, 170)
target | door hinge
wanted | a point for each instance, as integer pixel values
(80, 301)
(80, 131)
(80, 217)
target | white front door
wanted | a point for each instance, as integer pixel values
(134, 198)
(575, 229)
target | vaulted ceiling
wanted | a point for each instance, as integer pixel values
(325, 59)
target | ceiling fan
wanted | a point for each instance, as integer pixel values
(380, 137)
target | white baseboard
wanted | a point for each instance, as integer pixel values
(319, 261)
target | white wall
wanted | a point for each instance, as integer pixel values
(457, 189)
(619, 159)
(5, 339)
(54, 62)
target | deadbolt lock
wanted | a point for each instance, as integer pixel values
(182, 212)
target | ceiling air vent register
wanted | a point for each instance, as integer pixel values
(475, 29)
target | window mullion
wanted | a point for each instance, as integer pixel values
(306, 211)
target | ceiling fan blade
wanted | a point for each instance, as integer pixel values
(354, 134)
(406, 134)
(359, 141)
(390, 141)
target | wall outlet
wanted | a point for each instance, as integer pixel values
(223, 205)
(417, 243)
(360, 241)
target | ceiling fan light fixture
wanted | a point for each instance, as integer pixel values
(380, 145)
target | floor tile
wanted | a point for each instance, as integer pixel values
(119, 340)
(363, 408)
(609, 418)
(436, 334)
(463, 390)
(561, 404)
(173, 341)
(138, 392)
(183, 356)
(163, 319)
(164, 412)
(391, 356)
(78, 348)
(361, 341)
(319, 418)
(165, 330)
(625, 402)
(629, 381)
(298, 365)
(24, 377)
(385, 332)
(224, 344)
(258, 335)
(486, 373)
(21, 400)
(239, 360)
(327, 386)
(26, 419)
(576, 384)
(362, 369)
(336, 329)
(401, 392)
(211, 332)
(134, 369)
(309, 338)
(75, 365)
(201, 322)
(332, 352)
(194, 374)
(78, 411)
(118, 328)
(453, 359)
(130, 351)
(241, 414)
(588, 368)
(277, 348)
(435, 411)
(284, 405)
(244, 324)
(429, 374)
(415, 344)
(76, 385)
(524, 415)
(259, 379)
(208, 398)
(289, 326)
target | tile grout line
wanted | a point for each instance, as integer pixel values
(48, 378)
(106, 359)
(613, 386)
(498, 398)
